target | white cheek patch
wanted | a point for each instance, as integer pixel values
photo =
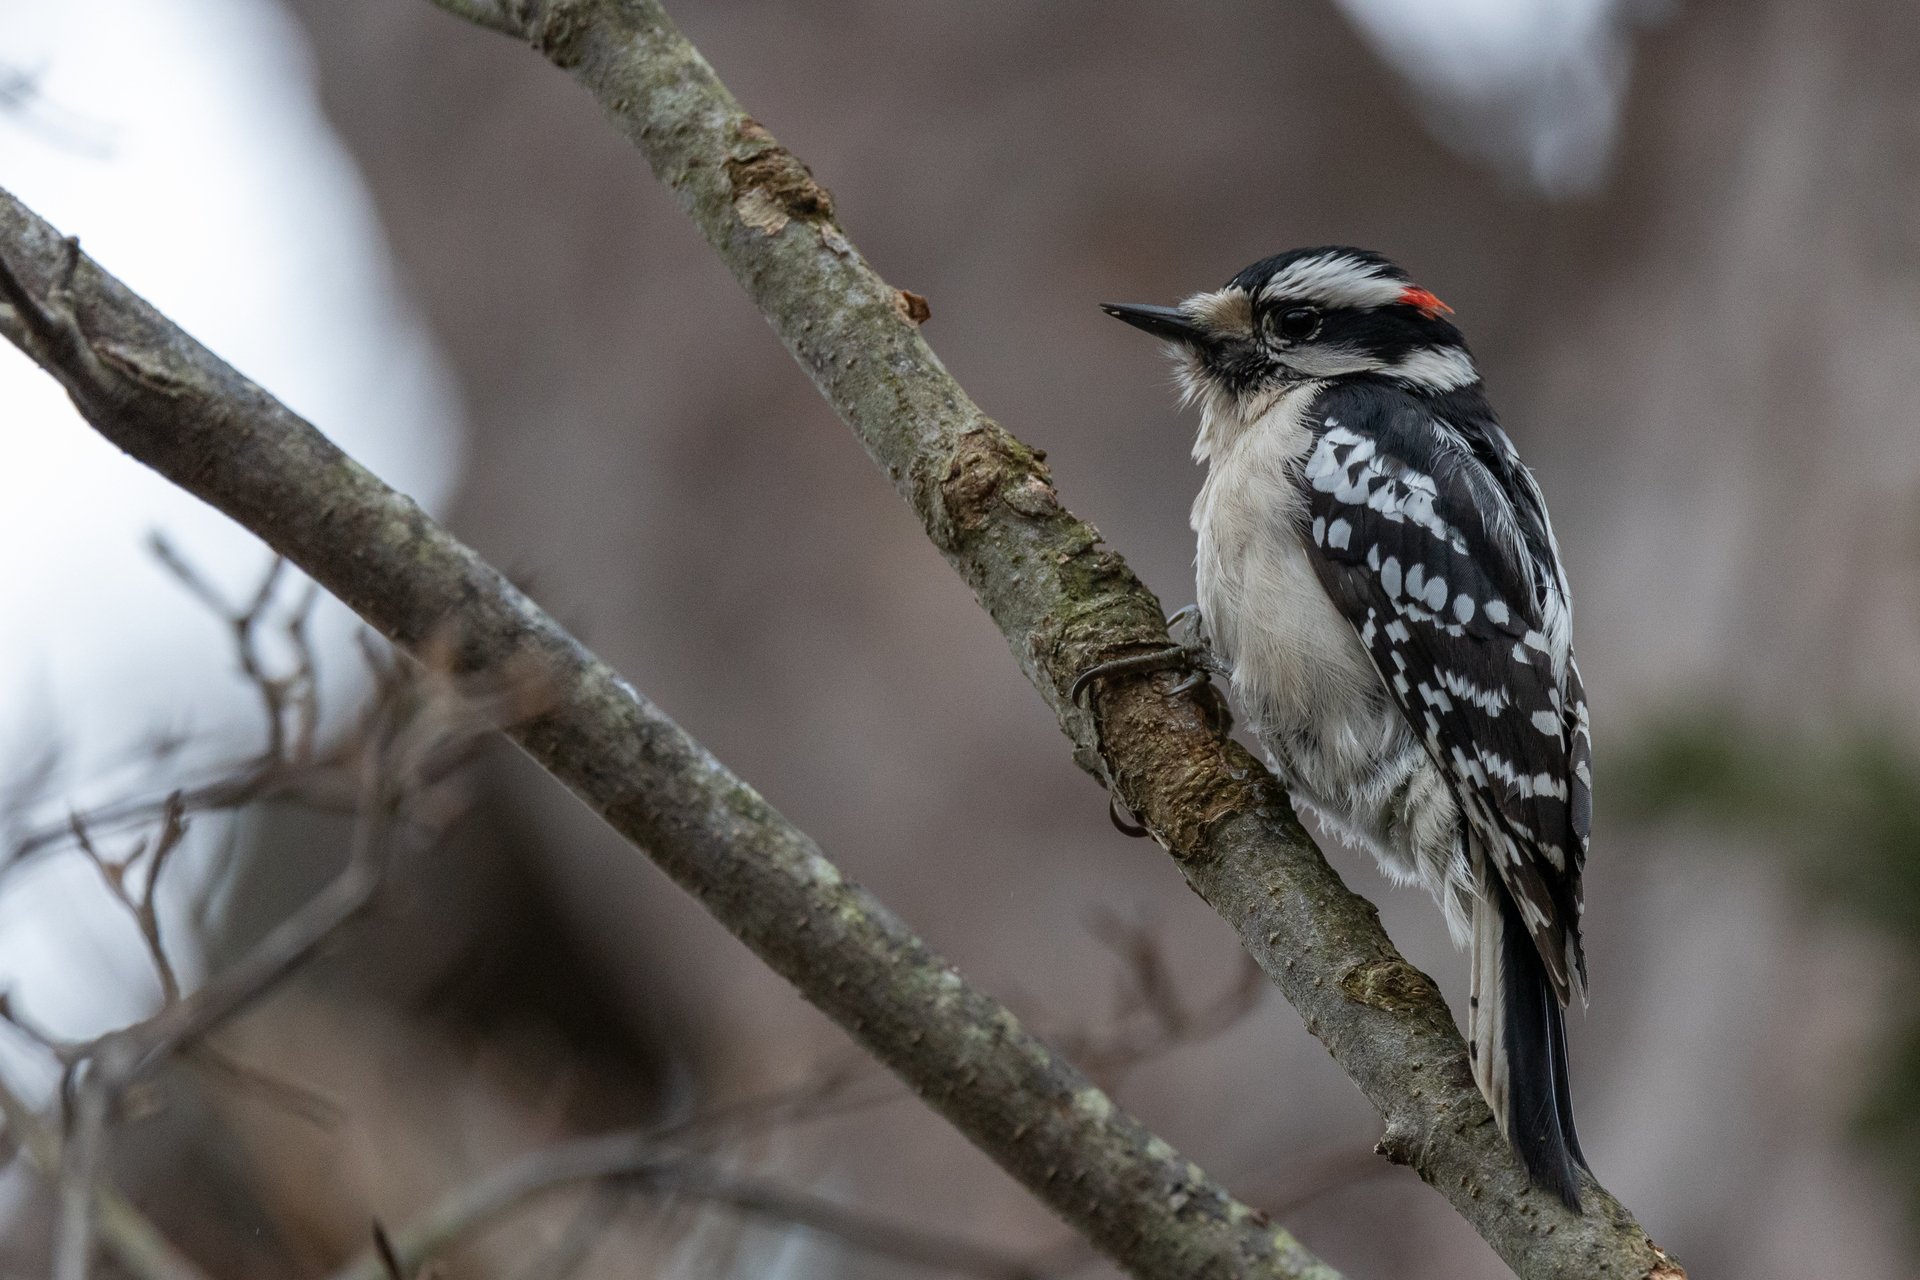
(1327, 361)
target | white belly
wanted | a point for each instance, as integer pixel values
(1295, 658)
(1301, 679)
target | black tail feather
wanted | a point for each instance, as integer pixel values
(1562, 1089)
(1540, 1103)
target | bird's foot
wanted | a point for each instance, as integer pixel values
(1197, 648)
(1191, 652)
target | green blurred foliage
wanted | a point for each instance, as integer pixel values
(1846, 808)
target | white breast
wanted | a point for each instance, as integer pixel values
(1295, 659)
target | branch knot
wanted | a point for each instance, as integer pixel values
(561, 32)
(1390, 985)
(771, 187)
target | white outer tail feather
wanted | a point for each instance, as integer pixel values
(1486, 1008)
(1512, 1013)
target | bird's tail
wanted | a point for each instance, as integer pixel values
(1518, 1036)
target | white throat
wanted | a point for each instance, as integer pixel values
(1226, 420)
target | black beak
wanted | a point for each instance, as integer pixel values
(1162, 322)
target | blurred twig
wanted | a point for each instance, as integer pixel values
(134, 1240)
(421, 720)
(1153, 1016)
(283, 1095)
(294, 694)
(78, 1184)
(140, 905)
(23, 99)
(640, 1163)
(591, 1222)
(675, 1158)
(288, 764)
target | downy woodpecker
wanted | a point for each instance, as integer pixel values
(1377, 574)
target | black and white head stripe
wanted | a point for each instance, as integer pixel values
(1361, 315)
(1447, 574)
(1332, 276)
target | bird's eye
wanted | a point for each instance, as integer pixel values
(1297, 323)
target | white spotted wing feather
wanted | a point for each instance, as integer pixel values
(1427, 554)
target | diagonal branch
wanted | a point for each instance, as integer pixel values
(161, 397)
(1064, 604)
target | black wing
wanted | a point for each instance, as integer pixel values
(1434, 558)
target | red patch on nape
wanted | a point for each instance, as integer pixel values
(1423, 302)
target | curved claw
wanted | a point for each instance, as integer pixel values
(1133, 665)
(1124, 826)
(1195, 656)
(1200, 676)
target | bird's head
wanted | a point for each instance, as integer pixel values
(1308, 314)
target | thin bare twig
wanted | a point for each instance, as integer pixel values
(62, 1050)
(1153, 1017)
(388, 1257)
(102, 1071)
(423, 728)
(23, 99)
(420, 726)
(288, 765)
(314, 789)
(140, 906)
(291, 695)
(898, 1241)
(641, 1164)
(598, 1212)
(79, 1177)
(134, 1240)
(285, 948)
(281, 1094)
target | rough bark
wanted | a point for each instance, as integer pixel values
(1064, 603)
(157, 394)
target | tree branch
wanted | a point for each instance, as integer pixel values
(161, 397)
(988, 503)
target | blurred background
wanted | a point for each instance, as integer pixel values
(1674, 234)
